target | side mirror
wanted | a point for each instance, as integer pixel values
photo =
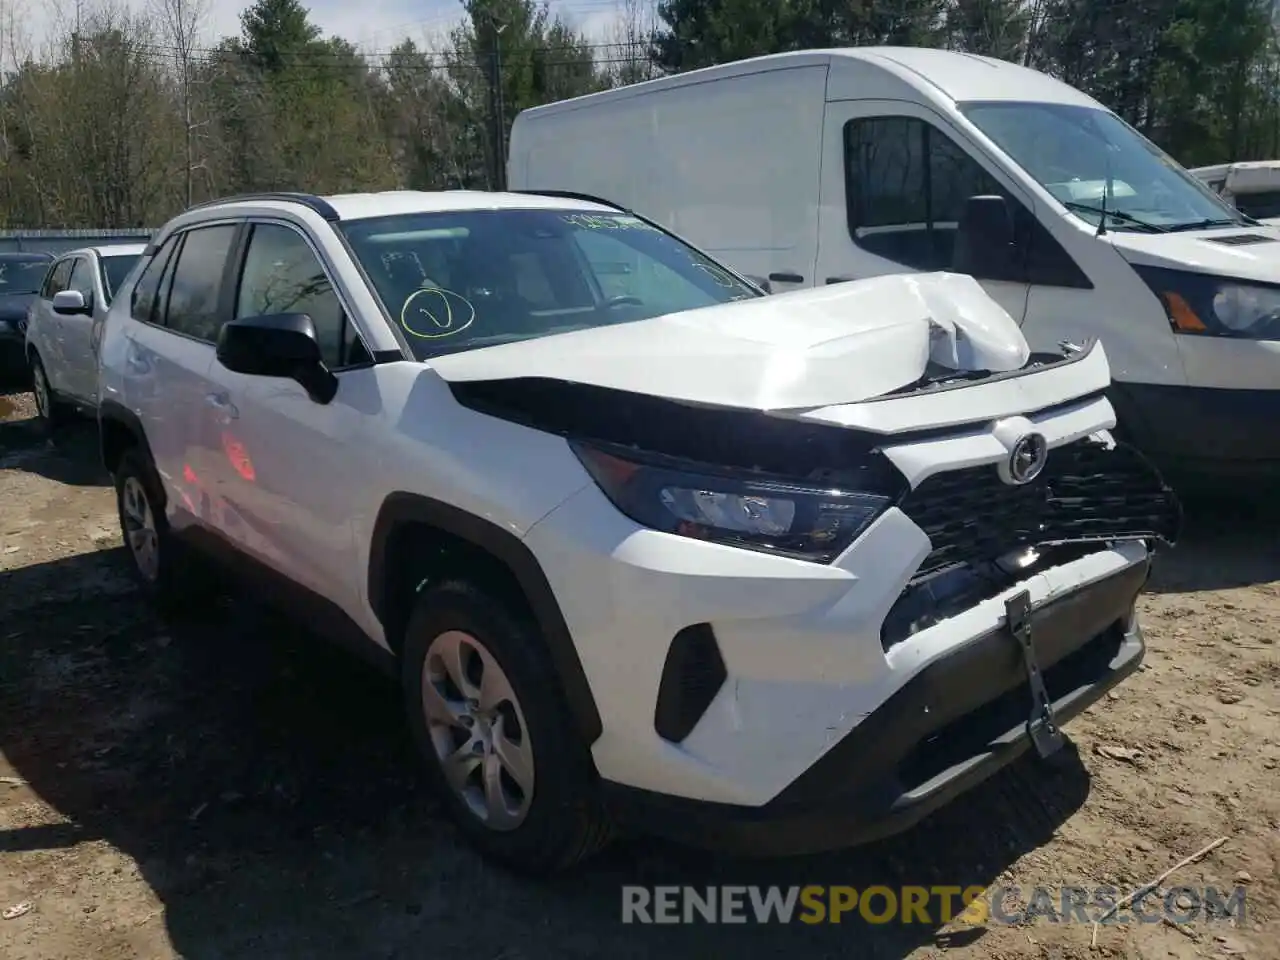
(984, 244)
(277, 345)
(69, 303)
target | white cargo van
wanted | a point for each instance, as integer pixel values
(816, 167)
(1252, 187)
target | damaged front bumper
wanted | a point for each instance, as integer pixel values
(960, 719)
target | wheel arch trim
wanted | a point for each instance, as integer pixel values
(400, 508)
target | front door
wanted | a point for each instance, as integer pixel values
(895, 178)
(287, 470)
(75, 334)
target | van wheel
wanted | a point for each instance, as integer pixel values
(162, 569)
(52, 411)
(486, 713)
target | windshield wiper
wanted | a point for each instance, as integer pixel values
(1205, 224)
(1115, 215)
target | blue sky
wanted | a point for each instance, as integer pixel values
(376, 26)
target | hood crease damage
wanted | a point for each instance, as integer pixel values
(788, 352)
(729, 384)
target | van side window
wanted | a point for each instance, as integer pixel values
(906, 187)
(1259, 205)
(143, 300)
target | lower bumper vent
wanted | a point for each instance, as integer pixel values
(691, 678)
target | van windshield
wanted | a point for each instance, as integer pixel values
(459, 280)
(1072, 150)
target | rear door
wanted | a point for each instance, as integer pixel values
(180, 303)
(895, 178)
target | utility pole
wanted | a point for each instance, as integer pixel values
(75, 37)
(184, 66)
(497, 110)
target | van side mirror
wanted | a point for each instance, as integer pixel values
(984, 243)
(68, 303)
(278, 345)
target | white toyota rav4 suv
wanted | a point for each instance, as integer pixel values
(644, 546)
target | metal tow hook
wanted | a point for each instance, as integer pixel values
(1042, 727)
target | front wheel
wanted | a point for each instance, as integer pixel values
(501, 748)
(53, 414)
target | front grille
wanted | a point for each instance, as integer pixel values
(1085, 492)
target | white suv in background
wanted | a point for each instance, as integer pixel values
(644, 546)
(64, 327)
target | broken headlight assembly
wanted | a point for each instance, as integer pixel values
(806, 521)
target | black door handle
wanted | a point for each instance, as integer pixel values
(831, 280)
(786, 277)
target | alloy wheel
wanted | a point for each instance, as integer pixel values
(140, 529)
(478, 730)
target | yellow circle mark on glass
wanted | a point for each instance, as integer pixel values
(721, 278)
(433, 313)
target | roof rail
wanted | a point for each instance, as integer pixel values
(310, 200)
(572, 195)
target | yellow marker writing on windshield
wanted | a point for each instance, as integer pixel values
(433, 312)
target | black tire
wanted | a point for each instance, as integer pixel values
(178, 586)
(566, 821)
(53, 412)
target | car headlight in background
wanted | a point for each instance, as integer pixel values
(788, 518)
(1199, 303)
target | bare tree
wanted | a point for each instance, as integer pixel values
(181, 25)
(15, 41)
(627, 55)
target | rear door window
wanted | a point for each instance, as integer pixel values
(192, 306)
(146, 290)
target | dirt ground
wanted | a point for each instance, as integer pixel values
(235, 789)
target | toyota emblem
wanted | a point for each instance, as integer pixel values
(1026, 459)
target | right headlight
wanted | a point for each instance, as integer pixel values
(1207, 305)
(788, 518)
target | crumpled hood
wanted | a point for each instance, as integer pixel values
(808, 348)
(1203, 251)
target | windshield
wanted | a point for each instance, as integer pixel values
(21, 276)
(114, 270)
(1072, 150)
(466, 279)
